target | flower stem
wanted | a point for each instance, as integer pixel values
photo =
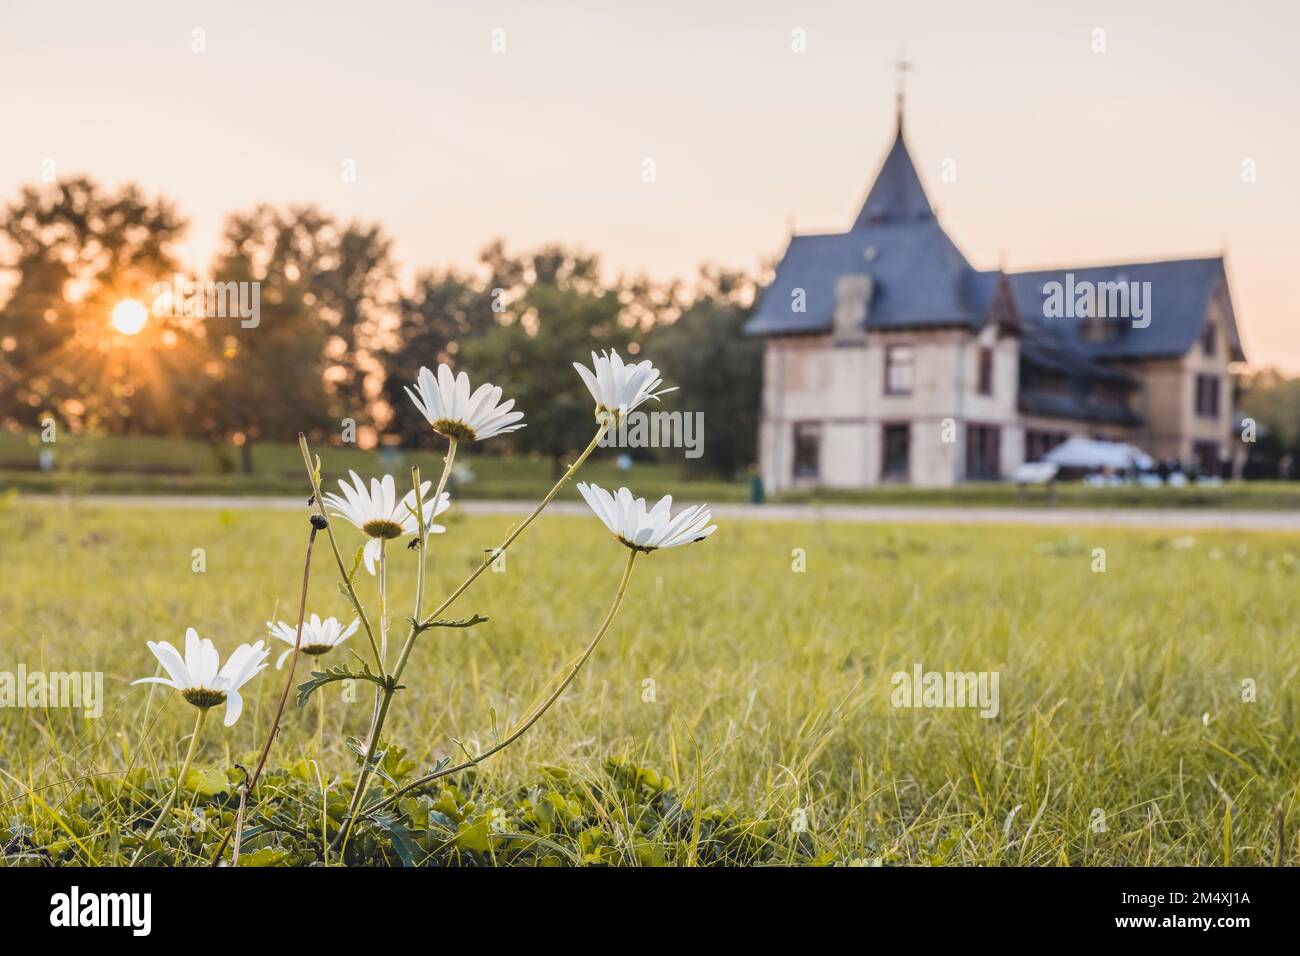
(377, 725)
(314, 478)
(383, 600)
(381, 705)
(340, 839)
(180, 782)
(279, 708)
(537, 713)
(420, 572)
(447, 463)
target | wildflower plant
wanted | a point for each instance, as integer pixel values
(202, 681)
(459, 414)
(317, 637)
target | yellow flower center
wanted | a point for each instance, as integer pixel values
(380, 528)
(454, 428)
(203, 697)
(635, 547)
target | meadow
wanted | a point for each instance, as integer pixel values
(739, 709)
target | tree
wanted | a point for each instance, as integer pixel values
(555, 311)
(76, 250)
(267, 379)
(444, 311)
(719, 369)
(350, 275)
(1272, 400)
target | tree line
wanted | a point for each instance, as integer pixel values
(1271, 400)
(338, 335)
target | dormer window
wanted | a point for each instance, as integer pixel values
(1099, 328)
(1105, 310)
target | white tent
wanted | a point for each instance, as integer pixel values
(1090, 454)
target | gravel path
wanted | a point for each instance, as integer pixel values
(868, 514)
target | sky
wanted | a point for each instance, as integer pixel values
(533, 122)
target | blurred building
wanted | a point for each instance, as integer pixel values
(890, 358)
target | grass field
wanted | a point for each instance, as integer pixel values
(168, 466)
(1122, 736)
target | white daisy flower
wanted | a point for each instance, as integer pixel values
(199, 676)
(378, 513)
(318, 636)
(619, 388)
(454, 413)
(643, 529)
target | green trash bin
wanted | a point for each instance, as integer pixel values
(755, 490)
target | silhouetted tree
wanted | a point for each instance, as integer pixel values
(268, 380)
(74, 251)
(719, 370)
(445, 310)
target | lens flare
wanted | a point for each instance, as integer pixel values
(130, 316)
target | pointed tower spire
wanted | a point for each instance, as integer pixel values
(897, 194)
(903, 66)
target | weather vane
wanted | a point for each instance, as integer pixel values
(903, 66)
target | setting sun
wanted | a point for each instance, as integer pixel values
(129, 317)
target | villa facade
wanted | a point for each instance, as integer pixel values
(890, 358)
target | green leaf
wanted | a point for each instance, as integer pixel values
(404, 844)
(474, 836)
(421, 626)
(207, 783)
(358, 748)
(339, 672)
(266, 856)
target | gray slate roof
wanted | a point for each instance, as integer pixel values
(921, 279)
(1048, 349)
(1180, 293)
(897, 194)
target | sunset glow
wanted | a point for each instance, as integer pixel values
(129, 317)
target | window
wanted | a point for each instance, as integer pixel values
(1039, 443)
(1207, 396)
(895, 457)
(983, 451)
(900, 367)
(984, 381)
(1099, 329)
(807, 449)
(1208, 339)
(1107, 394)
(1206, 454)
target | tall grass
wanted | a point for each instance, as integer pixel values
(1123, 736)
